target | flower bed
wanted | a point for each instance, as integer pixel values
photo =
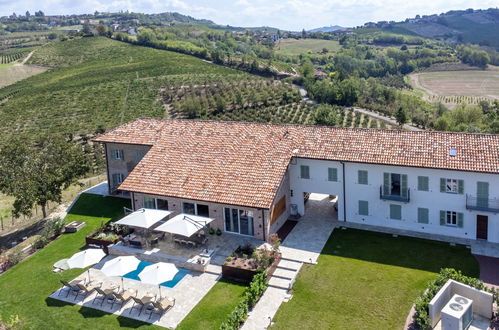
(246, 261)
(108, 234)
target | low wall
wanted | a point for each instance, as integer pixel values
(246, 275)
(482, 301)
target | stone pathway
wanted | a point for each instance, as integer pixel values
(303, 245)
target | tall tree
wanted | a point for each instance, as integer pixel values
(401, 116)
(38, 173)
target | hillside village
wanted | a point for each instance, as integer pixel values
(169, 171)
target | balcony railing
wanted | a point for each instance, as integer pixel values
(403, 197)
(482, 204)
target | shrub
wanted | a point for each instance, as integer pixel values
(16, 256)
(53, 227)
(211, 231)
(421, 317)
(40, 243)
(219, 232)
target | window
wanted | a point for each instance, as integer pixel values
(363, 208)
(423, 183)
(395, 212)
(118, 179)
(332, 174)
(451, 186)
(304, 172)
(117, 154)
(238, 221)
(423, 215)
(161, 204)
(149, 203)
(362, 177)
(139, 155)
(395, 184)
(451, 219)
(196, 209)
(482, 194)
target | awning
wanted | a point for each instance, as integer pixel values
(184, 224)
(144, 218)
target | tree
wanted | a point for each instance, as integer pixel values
(27, 14)
(401, 116)
(37, 173)
(325, 115)
(101, 29)
(86, 28)
(52, 36)
(146, 37)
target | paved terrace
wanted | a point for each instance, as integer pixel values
(187, 293)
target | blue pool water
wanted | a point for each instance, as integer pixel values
(170, 284)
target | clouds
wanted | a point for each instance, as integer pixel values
(284, 14)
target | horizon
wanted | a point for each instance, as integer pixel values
(292, 15)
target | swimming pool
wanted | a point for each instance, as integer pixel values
(170, 284)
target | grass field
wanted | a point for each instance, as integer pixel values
(25, 287)
(367, 280)
(454, 87)
(98, 81)
(12, 73)
(303, 46)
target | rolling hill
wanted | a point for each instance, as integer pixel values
(98, 82)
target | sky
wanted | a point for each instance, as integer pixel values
(284, 14)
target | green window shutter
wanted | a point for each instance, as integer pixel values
(363, 208)
(443, 183)
(304, 172)
(332, 174)
(386, 183)
(113, 153)
(403, 185)
(362, 177)
(115, 179)
(423, 183)
(122, 154)
(423, 215)
(482, 194)
(442, 218)
(460, 186)
(395, 212)
(460, 220)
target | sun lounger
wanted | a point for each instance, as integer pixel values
(124, 296)
(101, 295)
(85, 289)
(71, 287)
(162, 306)
(140, 303)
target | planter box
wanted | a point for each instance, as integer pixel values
(91, 240)
(74, 226)
(246, 275)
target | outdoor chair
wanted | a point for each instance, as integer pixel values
(85, 290)
(191, 243)
(137, 301)
(101, 295)
(124, 296)
(71, 286)
(162, 306)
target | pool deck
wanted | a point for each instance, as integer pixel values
(187, 293)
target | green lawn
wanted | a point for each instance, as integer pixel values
(367, 280)
(25, 287)
(213, 309)
(302, 46)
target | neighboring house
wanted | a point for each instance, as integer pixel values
(250, 177)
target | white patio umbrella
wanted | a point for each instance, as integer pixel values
(158, 273)
(120, 266)
(184, 224)
(144, 218)
(86, 258)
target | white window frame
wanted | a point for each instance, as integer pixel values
(195, 207)
(452, 186)
(117, 154)
(239, 221)
(120, 177)
(449, 217)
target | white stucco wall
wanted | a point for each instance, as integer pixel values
(379, 210)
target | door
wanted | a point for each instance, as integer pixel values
(482, 225)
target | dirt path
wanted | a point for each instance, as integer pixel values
(385, 119)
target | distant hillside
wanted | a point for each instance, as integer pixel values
(467, 26)
(327, 28)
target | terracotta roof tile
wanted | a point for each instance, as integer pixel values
(243, 163)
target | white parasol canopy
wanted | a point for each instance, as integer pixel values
(144, 218)
(184, 224)
(86, 258)
(158, 273)
(120, 266)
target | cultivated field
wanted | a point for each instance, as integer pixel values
(11, 73)
(454, 87)
(303, 46)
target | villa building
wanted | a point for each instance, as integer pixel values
(252, 177)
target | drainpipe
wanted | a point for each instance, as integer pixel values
(107, 169)
(344, 195)
(264, 226)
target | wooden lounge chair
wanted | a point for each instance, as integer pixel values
(85, 289)
(101, 295)
(71, 286)
(124, 296)
(162, 306)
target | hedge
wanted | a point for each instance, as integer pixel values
(250, 297)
